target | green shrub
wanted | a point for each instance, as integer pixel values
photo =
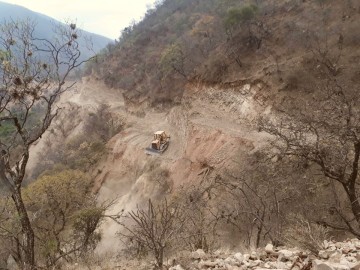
(236, 16)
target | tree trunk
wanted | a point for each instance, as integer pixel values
(160, 258)
(27, 255)
(354, 201)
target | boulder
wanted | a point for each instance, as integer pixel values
(255, 263)
(232, 261)
(198, 254)
(335, 257)
(239, 257)
(254, 256)
(324, 254)
(320, 265)
(207, 264)
(177, 267)
(269, 248)
(355, 266)
(285, 255)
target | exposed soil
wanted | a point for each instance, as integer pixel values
(213, 127)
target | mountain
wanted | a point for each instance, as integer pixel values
(225, 41)
(261, 99)
(15, 12)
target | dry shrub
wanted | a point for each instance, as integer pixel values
(161, 176)
(214, 69)
(301, 79)
(305, 234)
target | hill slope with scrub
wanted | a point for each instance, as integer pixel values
(261, 101)
(243, 86)
(212, 42)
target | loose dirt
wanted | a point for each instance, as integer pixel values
(212, 127)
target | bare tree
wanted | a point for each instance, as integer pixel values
(156, 228)
(201, 226)
(254, 202)
(33, 74)
(323, 129)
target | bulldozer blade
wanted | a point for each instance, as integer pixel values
(151, 151)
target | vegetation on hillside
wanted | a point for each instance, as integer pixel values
(56, 217)
(305, 52)
(177, 42)
(180, 42)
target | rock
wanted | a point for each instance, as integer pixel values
(232, 261)
(357, 257)
(269, 248)
(287, 254)
(254, 256)
(255, 263)
(218, 253)
(280, 265)
(320, 265)
(246, 264)
(263, 255)
(356, 243)
(323, 254)
(345, 256)
(220, 262)
(338, 266)
(206, 264)
(326, 244)
(231, 267)
(335, 257)
(344, 261)
(355, 266)
(198, 254)
(338, 245)
(239, 257)
(351, 259)
(177, 267)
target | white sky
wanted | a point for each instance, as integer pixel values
(104, 17)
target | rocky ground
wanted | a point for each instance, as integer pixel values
(334, 256)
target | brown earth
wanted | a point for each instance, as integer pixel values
(213, 127)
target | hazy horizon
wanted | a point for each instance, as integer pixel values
(105, 18)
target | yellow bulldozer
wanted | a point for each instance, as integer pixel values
(159, 144)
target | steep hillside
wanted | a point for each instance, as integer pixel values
(181, 42)
(15, 12)
(206, 71)
(261, 101)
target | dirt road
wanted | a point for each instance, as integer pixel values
(211, 126)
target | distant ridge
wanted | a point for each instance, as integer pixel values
(16, 12)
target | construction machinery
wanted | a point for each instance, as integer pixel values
(159, 144)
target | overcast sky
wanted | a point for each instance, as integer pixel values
(104, 17)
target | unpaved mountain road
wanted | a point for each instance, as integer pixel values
(211, 126)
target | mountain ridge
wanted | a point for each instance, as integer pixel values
(17, 12)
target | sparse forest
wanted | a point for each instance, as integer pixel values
(261, 101)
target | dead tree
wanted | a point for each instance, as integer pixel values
(33, 74)
(324, 129)
(155, 228)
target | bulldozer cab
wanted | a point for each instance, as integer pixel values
(155, 144)
(159, 135)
